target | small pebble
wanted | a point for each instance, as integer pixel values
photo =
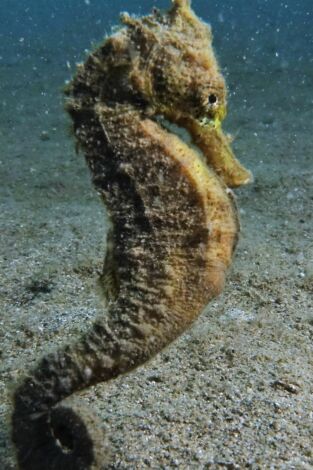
(44, 136)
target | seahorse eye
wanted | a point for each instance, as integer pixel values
(212, 99)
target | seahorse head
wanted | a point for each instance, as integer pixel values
(174, 66)
(163, 65)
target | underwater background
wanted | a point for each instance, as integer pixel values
(235, 391)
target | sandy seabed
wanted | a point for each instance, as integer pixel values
(236, 390)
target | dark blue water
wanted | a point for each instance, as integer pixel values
(257, 28)
(50, 36)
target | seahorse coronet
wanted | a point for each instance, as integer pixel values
(174, 223)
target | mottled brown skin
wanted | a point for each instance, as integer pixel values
(174, 224)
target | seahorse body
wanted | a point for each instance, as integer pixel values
(174, 224)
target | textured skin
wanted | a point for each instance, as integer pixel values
(174, 224)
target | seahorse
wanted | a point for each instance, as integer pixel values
(174, 224)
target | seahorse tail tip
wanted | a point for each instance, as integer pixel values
(64, 438)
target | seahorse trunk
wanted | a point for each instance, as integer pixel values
(174, 231)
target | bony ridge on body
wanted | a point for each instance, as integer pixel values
(174, 225)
